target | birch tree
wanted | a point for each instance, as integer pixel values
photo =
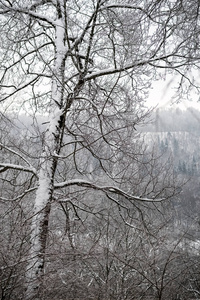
(86, 66)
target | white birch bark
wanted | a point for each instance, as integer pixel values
(42, 207)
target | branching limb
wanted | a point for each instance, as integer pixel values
(19, 155)
(19, 197)
(5, 166)
(106, 189)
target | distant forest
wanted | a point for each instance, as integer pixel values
(176, 132)
(175, 135)
(173, 120)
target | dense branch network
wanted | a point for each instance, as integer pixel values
(85, 68)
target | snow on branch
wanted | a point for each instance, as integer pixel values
(5, 166)
(110, 71)
(106, 189)
(127, 6)
(19, 155)
(4, 8)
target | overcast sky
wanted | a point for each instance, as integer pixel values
(162, 92)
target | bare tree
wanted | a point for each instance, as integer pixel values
(86, 66)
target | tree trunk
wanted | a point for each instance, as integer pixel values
(48, 165)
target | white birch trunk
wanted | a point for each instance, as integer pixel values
(42, 207)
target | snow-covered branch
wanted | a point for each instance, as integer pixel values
(106, 189)
(140, 63)
(127, 6)
(27, 11)
(194, 291)
(5, 166)
(19, 155)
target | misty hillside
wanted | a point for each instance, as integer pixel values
(176, 133)
(174, 120)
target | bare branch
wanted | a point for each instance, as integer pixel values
(19, 197)
(111, 189)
